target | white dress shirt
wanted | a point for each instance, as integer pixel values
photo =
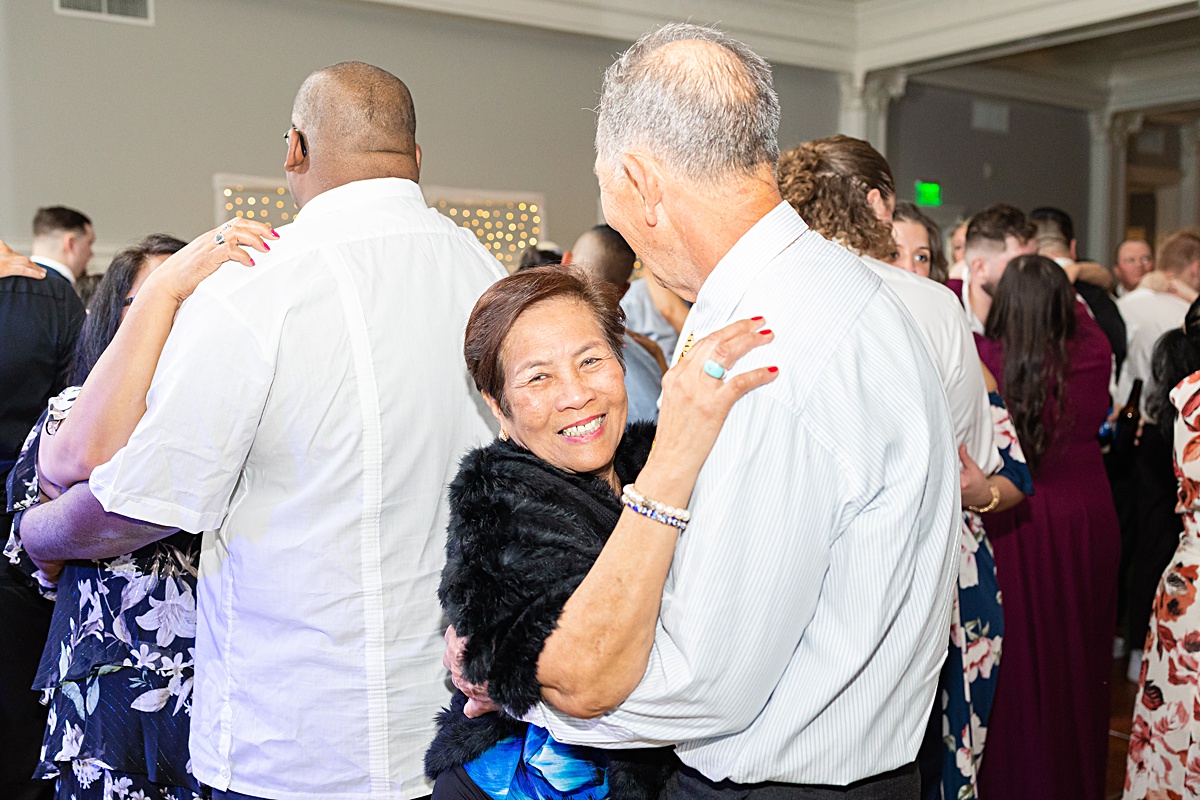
(307, 415)
(804, 619)
(940, 319)
(1148, 315)
(57, 266)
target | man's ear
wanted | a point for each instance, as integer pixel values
(568, 258)
(1074, 257)
(647, 183)
(418, 158)
(976, 265)
(878, 204)
(295, 160)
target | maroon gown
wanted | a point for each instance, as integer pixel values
(1056, 560)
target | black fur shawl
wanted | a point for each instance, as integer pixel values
(522, 536)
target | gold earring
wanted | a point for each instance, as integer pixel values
(503, 435)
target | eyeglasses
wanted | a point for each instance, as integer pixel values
(287, 137)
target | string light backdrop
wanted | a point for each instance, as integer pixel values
(261, 199)
(504, 222)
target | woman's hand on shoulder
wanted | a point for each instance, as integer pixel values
(697, 394)
(180, 274)
(13, 264)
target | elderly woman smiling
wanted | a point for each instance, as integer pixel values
(541, 519)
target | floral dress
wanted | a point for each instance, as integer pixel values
(1164, 748)
(117, 670)
(968, 681)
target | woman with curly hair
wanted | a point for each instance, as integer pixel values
(843, 188)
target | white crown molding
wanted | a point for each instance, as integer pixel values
(810, 33)
(898, 32)
(1159, 81)
(1015, 85)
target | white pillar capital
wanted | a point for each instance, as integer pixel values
(866, 99)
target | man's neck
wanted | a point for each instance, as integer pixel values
(55, 264)
(721, 218)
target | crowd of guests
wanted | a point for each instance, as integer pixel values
(342, 511)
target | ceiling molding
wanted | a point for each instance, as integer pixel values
(905, 32)
(1161, 81)
(1014, 85)
(810, 33)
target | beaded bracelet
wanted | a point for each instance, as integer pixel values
(659, 512)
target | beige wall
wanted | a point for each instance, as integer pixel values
(129, 124)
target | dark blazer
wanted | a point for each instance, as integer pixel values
(522, 536)
(39, 323)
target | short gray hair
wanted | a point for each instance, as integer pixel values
(707, 117)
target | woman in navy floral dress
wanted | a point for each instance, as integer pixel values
(117, 670)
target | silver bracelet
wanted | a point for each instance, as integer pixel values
(632, 499)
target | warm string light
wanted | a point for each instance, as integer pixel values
(265, 204)
(504, 227)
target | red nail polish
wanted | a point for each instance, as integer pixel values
(755, 319)
(266, 245)
(772, 369)
(765, 331)
(275, 234)
(252, 262)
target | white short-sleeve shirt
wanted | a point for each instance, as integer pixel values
(307, 415)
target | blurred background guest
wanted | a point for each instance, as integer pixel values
(603, 254)
(1057, 553)
(1151, 525)
(918, 241)
(117, 665)
(40, 317)
(1164, 749)
(958, 247)
(534, 256)
(62, 241)
(1134, 259)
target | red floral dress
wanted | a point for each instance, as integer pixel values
(1164, 751)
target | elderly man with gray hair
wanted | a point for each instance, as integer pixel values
(802, 622)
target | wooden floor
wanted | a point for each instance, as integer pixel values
(1123, 695)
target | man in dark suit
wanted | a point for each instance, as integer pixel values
(40, 320)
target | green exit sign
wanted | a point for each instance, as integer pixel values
(928, 194)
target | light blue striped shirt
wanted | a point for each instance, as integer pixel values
(805, 617)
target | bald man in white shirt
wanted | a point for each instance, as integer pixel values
(306, 416)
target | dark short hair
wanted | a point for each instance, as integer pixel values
(998, 222)
(617, 258)
(500, 306)
(534, 256)
(53, 219)
(108, 301)
(1053, 222)
(1180, 250)
(939, 269)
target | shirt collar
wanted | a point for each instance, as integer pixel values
(57, 266)
(973, 322)
(738, 268)
(360, 193)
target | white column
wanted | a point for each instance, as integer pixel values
(1189, 184)
(1106, 195)
(865, 102)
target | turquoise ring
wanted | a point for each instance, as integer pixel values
(713, 369)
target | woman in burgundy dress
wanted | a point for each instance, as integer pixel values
(1057, 553)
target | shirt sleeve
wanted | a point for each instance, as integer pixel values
(967, 395)
(721, 647)
(184, 458)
